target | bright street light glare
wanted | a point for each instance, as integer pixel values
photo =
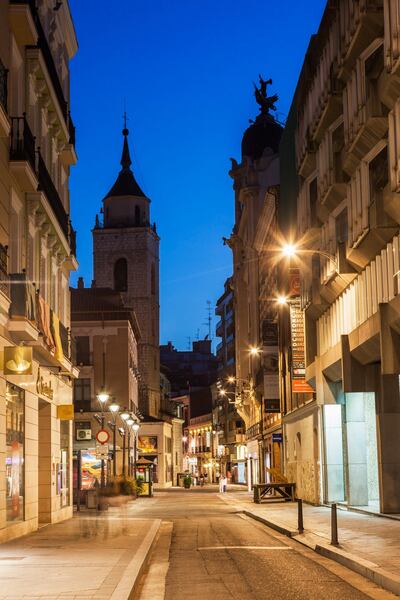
(289, 250)
(254, 351)
(130, 422)
(231, 379)
(136, 427)
(124, 416)
(282, 300)
(114, 408)
(102, 396)
(222, 392)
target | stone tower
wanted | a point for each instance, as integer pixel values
(126, 257)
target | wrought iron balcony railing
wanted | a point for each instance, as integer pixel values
(254, 430)
(3, 86)
(4, 280)
(22, 141)
(47, 186)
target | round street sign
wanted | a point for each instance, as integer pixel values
(102, 436)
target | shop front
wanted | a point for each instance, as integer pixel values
(351, 451)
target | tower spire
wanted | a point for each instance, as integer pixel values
(125, 158)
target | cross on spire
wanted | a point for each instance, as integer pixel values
(126, 158)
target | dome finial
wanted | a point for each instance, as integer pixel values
(126, 158)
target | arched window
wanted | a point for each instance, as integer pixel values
(137, 215)
(121, 275)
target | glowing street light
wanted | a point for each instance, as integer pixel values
(289, 250)
(103, 396)
(282, 300)
(254, 351)
(114, 408)
(125, 415)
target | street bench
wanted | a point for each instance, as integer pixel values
(283, 489)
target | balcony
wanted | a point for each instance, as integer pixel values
(22, 21)
(47, 186)
(254, 430)
(68, 153)
(4, 121)
(4, 286)
(22, 322)
(22, 154)
(361, 22)
(365, 116)
(219, 330)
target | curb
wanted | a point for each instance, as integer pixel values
(127, 585)
(387, 580)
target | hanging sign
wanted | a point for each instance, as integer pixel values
(17, 360)
(65, 412)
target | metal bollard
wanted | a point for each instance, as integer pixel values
(300, 525)
(334, 526)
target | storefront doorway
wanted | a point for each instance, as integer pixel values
(351, 454)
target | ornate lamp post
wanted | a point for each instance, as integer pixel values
(129, 423)
(135, 429)
(114, 408)
(102, 398)
(124, 416)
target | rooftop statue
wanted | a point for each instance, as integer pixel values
(265, 102)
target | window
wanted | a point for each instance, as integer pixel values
(313, 198)
(82, 394)
(121, 275)
(341, 227)
(82, 350)
(137, 216)
(14, 457)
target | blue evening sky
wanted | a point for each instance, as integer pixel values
(185, 71)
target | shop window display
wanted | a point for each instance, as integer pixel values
(15, 434)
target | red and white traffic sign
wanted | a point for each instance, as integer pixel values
(102, 436)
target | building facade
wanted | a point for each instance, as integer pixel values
(37, 254)
(341, 441)
(256, 378)
(229, 427)
(106, 335)
(126, 253)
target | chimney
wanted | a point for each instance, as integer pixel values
(81, 283)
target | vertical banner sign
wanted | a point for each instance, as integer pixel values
(298, 367)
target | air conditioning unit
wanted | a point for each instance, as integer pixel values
(83, 434)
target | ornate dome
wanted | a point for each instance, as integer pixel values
(264, 133)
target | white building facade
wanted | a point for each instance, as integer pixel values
(37, 254)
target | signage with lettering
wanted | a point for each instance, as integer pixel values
(43, 388)
(298, 366)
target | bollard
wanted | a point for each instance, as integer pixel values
(334, 527)
(300, 525)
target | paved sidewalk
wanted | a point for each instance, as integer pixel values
(369, 544)
(93, 555)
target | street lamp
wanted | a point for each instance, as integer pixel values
(114, 408)
(129, 423)
(102, 398)
(135, 429)
(291, 250)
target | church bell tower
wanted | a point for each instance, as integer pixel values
(126, 258)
